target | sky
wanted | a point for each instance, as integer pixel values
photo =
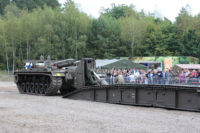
(162, 8)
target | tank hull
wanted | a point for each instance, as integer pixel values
(37, 83)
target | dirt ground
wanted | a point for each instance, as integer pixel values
(39, 114)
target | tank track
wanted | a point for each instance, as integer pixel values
(38, 83)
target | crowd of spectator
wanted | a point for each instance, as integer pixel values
(151, 76)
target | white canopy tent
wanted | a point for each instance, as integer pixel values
(103, 62)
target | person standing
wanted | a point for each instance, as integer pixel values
(199, 76)
(182, 77)
(160, 76)
(120, 79)
(155, 77)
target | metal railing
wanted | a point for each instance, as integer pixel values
(154, 81)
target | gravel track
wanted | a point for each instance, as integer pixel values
(41, 114)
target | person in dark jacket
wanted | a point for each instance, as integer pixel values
(155, 77)
(198, 73)
(160, 76)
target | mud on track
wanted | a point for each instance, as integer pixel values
(41, 114)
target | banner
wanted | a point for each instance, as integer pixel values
(167, 63)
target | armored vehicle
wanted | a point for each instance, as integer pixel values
(77, 80)
(50, 77)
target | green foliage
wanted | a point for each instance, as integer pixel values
(28, 4)
(119, 11)
(30, 28)
(3, 4)
(76, 27)
(105, 38)
(192, 46)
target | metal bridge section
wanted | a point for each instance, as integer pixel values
(162, 96)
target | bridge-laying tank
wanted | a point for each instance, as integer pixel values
(50, 77)
(77, 80)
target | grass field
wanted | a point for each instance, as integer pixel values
(5, 77)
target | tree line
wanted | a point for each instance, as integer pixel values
(45, 28)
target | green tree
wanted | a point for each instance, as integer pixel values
(77, 24)
(4, 43)
(105, 38)
(11, 14)
(191, 45)
(119, 11)
(132, 32)
(31, 4)
(3, 4)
